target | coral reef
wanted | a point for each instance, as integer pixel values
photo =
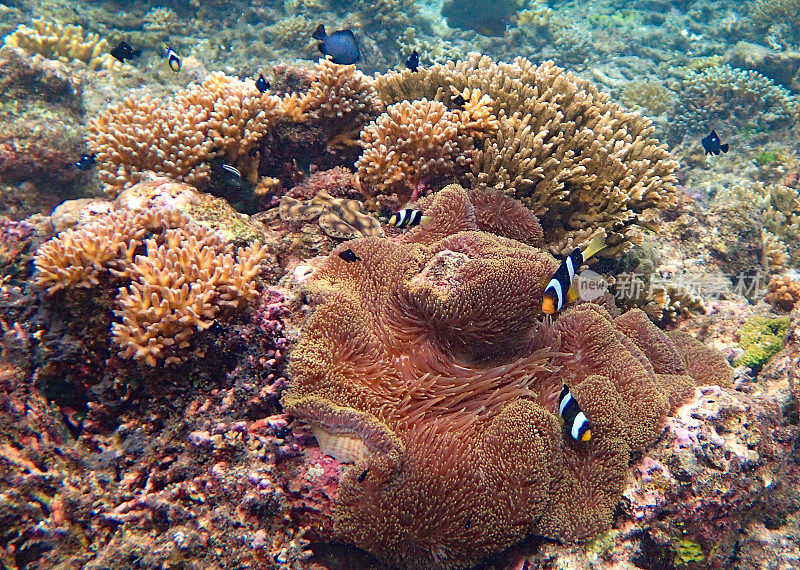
(175, 277)
(778, 17)
(650, 97)
(577, 160)
(64, 42)
(425, 365)
(342, 100)
(783, 292)
(736, 98)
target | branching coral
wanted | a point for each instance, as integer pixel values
(577, 160)
(57, 41)
(341, 99)
(186, 276)
(735, 97)
(418, 145)
(222, 117)
(426, 366)
(652, 97)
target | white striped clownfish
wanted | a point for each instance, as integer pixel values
(173, 60)
(574, 419)
(408, 218)
(559, 290)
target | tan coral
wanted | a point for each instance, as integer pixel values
(342, 100)
(65, 42)
(187, 276)
(417, 145)
(577, 160)
(222, 117)
(783, 292)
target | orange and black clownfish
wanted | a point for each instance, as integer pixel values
(575, 420)
(559, 290)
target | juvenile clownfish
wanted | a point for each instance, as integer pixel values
(173, 60)
(408, 218)
(559, 290)
(574, 419)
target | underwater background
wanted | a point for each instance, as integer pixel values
(338, 284)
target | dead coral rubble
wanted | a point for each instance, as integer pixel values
(426, 366)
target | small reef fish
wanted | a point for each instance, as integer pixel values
(459, 100)
(574, 419)
(173, 60)
(227, 182)
(408, 218)
(350, 257)
(262, 84)
(124, 51)
(559, 290)
(412, 61)
(86, 161)
(340, 46)
(712, 144)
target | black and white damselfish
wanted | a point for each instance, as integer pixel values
(173, 59)
(408, 218)
(575, 421)
(559, 290)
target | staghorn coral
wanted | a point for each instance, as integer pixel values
(577, 160)
(221, 117)
(783, 292)
(341, 99)
(64, 42)
(186, 277)
(340, 218)
(426, 367)
(417, 145)
(736, 98)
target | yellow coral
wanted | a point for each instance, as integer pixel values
(57, 41)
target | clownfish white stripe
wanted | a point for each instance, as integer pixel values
(577, 425)
(575, 421)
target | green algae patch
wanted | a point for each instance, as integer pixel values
(761, 338)
(687, 553)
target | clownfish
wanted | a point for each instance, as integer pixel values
(559, 290)
(574, 419)
(173, 60)
(407, 218)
